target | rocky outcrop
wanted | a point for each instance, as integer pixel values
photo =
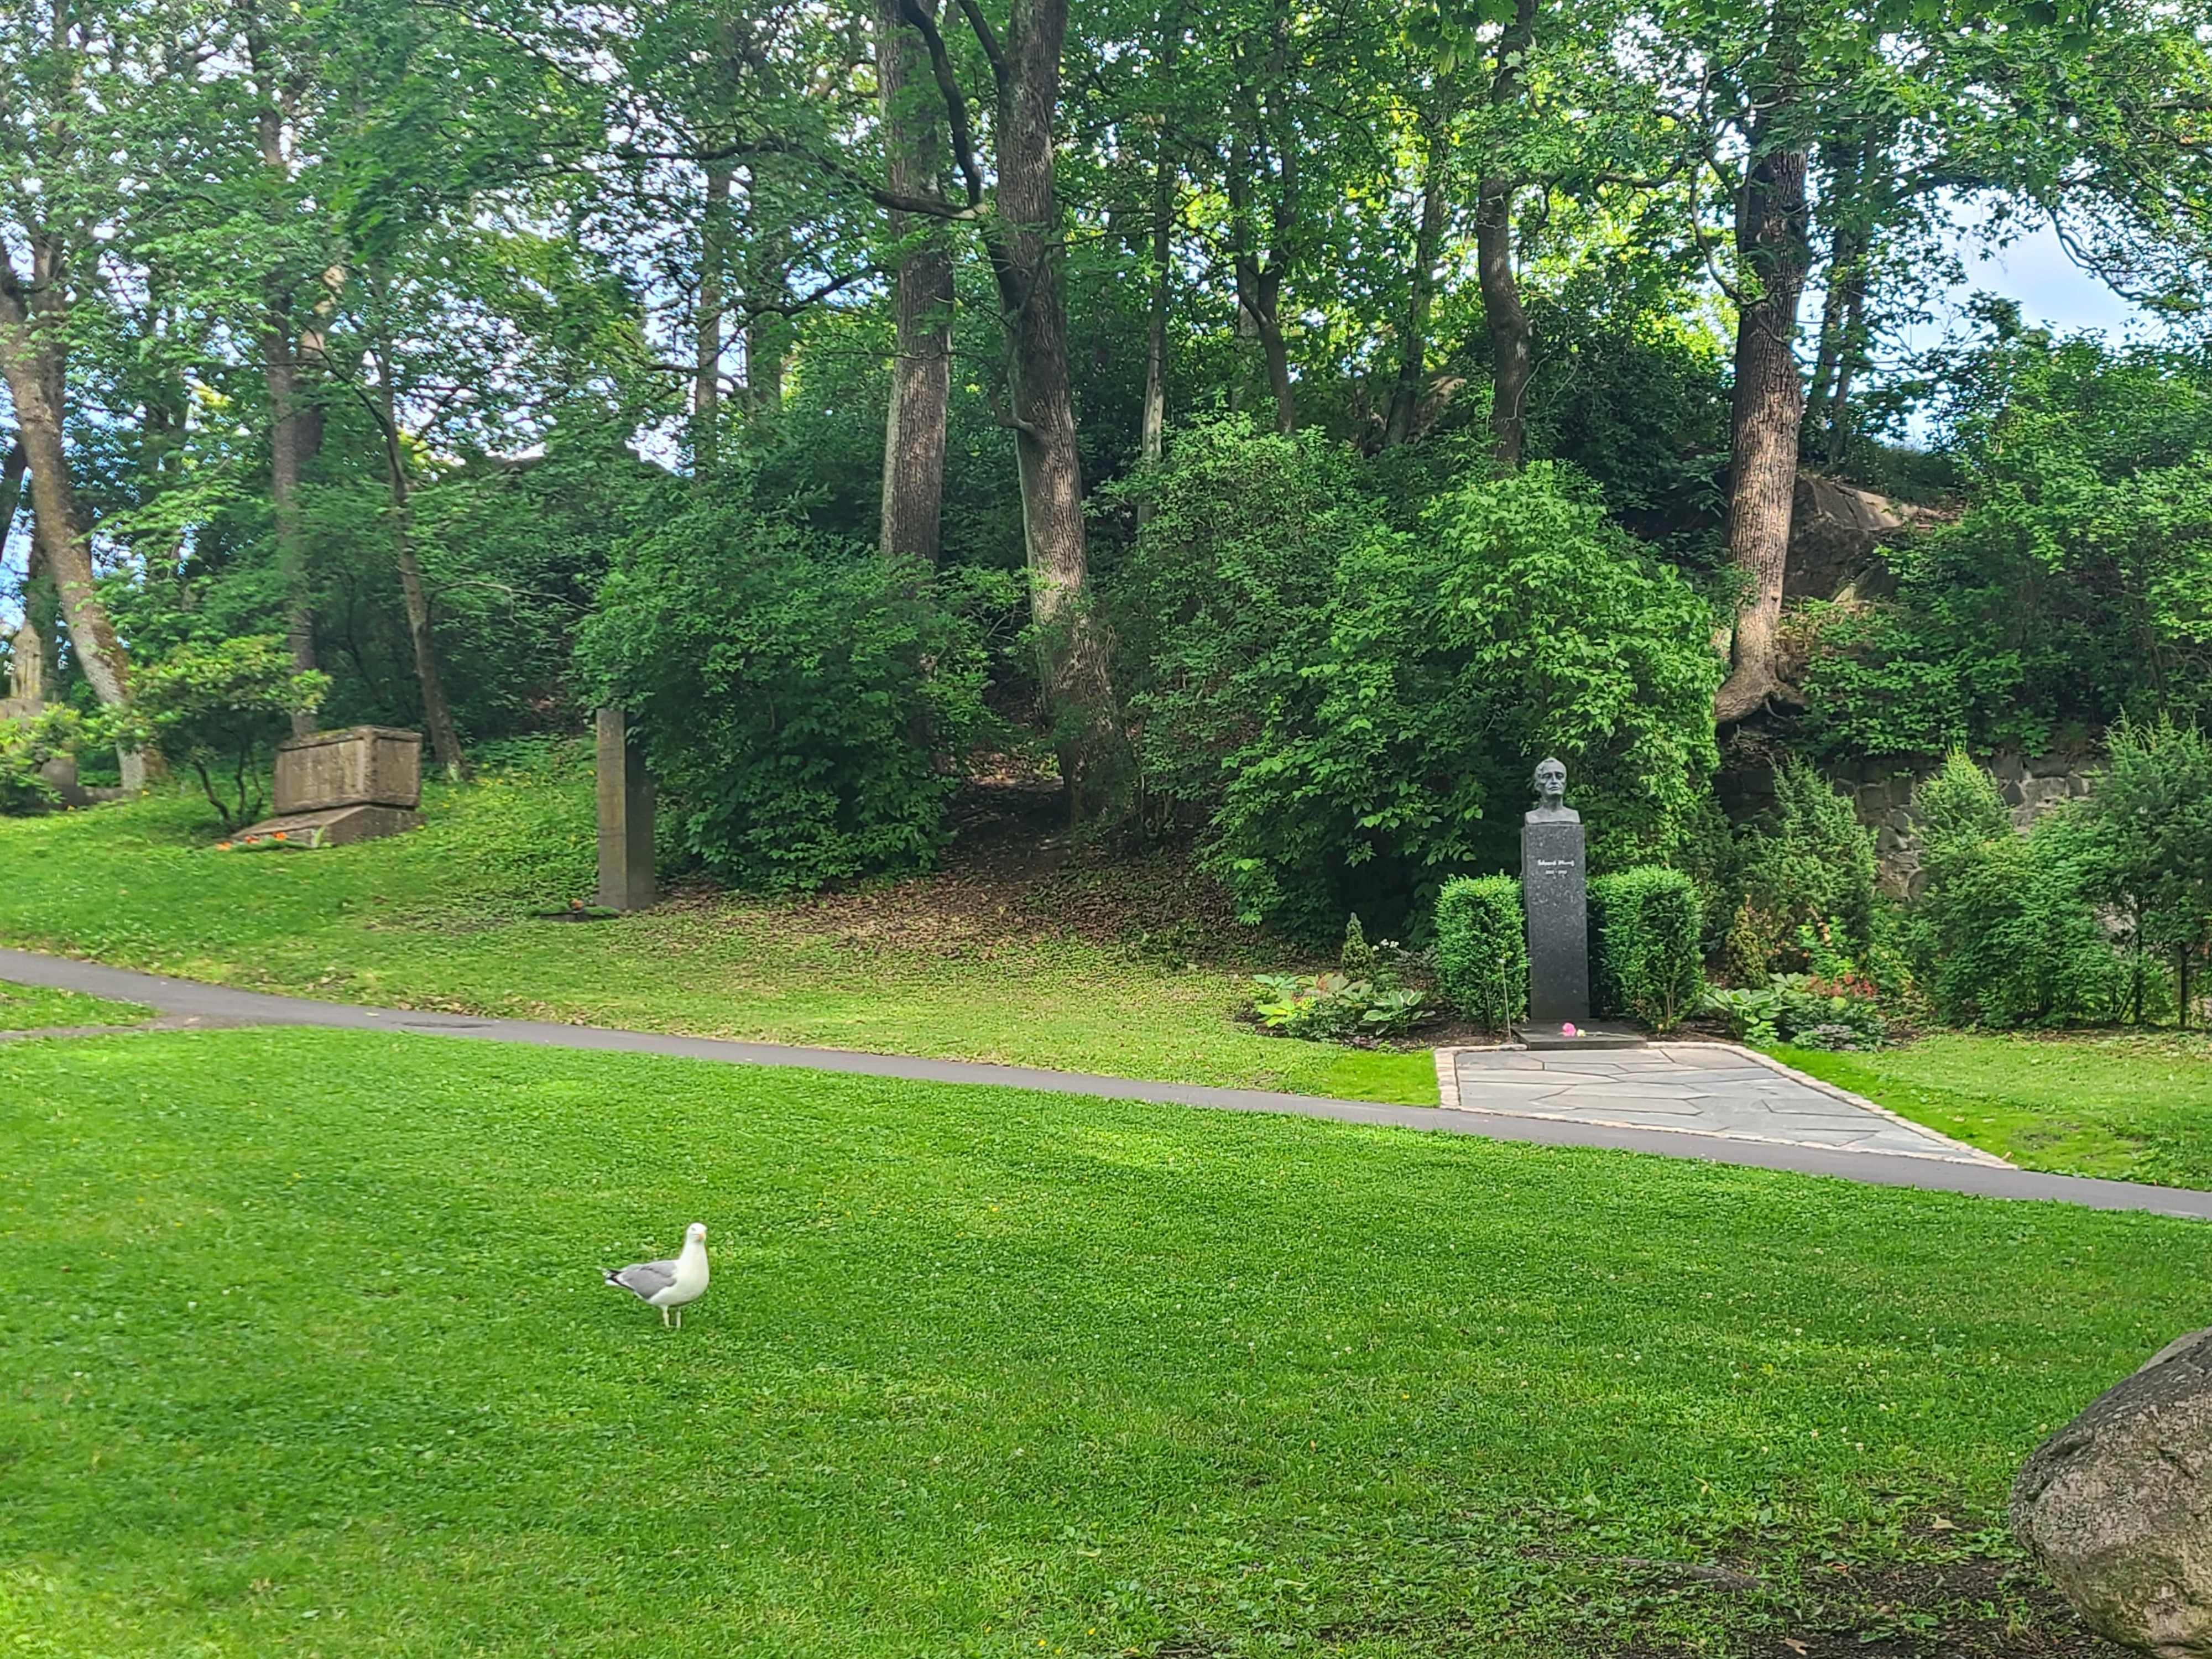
(1837, 532)
(2116, 1506)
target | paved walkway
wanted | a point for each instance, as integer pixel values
(1690, 1088)
(187, 1004)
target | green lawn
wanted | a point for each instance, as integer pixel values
(302, 1351)
(34, 1007)
(443, 918)
(2138, 1108)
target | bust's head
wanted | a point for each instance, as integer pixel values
(1551, 784)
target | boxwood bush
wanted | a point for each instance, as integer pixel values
(1482, 948)
(1645, 962)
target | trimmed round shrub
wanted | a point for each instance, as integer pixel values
(1646, 925)
(1482, 948)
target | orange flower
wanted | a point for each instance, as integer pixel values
(279, 836)
(222, 847)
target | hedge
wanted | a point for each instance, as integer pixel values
(1482, 949)
(1645, 964)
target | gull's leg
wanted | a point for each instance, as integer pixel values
(664, 1318)
(679, 1319)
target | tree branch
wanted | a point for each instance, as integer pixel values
(956, 102)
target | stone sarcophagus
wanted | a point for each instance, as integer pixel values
(336, 787)
(361, 766)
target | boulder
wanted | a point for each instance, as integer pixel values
(2116, 1506)
(1835, 532)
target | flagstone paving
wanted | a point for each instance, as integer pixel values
(1705, 1089)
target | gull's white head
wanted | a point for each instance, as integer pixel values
(695, 1233)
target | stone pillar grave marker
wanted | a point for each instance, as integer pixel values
(626, 807)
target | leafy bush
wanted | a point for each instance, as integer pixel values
(801, 697)
(1357, 710)
(1365, 999)
(2150, 842)
(25, 745)
(1482, 949)
(217, 707)
(2006, 928)
(1811, 866)
(1798, 1008)
(1646, 925)
(1335, 1008)
(2076, 585)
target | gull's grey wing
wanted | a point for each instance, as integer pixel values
(645, 1278)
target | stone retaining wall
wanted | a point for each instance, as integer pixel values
(1882, 793)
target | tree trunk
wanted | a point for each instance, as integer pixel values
(1025, 257)
(286, 443)
(32, 656)
(707, 320)
(1152, 436)
(294, 434)
(1259, 295)
(1511, 347)
(1768, 412)
(1850, 359)
(30, 357)
(1414, 344)
(445, 742)
(922, 306)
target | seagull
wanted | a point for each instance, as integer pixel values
(670, 1285)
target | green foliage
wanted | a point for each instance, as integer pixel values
(1482, 948)
(216, 707)
(1365, 999)
(2005, 929)
(2149, 829)
(1800, 1009)
(1809, 865)
(2076, 586)
(1646, 928)
(804, 700)
(1336, 1007)
(25, 745)
(1357, 710)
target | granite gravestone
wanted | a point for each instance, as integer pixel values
(626, 806)
(1554, 896)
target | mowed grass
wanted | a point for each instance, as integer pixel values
(34, 1007)
(303, 1351)
(448, 917)
(2136, 1107)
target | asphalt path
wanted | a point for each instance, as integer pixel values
(190, 1004)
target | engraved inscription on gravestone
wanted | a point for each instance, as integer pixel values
(1555, 897)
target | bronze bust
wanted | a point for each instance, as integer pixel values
(1552, 796)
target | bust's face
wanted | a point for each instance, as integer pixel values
(1552, 782)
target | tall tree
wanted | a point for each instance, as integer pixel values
(1773, 258)
(1018, 214)
(60, 69)
(1512, 352)
(283, 61)
(922, 298)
